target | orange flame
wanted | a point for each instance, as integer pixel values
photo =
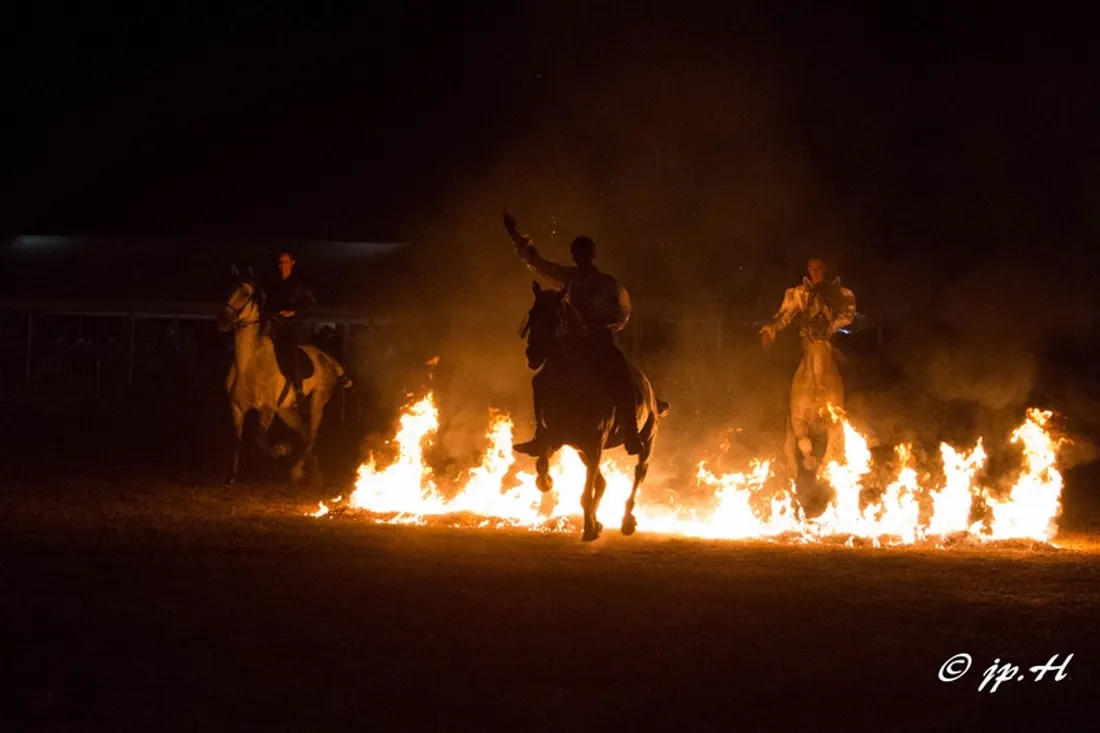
(740, 507)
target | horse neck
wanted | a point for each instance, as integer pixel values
(569, 359)
(249, 342)
(818, 356)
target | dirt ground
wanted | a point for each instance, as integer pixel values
(137, 605)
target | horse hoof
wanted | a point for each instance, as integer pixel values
(629, 525)
(229, 481)
(599, 528)
(590, 536)
(281, 450)
(544, 483)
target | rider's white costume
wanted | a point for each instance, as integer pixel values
(815, 322)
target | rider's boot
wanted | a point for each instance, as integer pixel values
(628, 415)
(535, 446)
(631, 440)
(538, 444)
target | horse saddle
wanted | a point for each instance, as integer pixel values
(302, 363)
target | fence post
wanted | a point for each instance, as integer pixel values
(97, 369)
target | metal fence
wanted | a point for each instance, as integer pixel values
(76, 352)
(70, 352)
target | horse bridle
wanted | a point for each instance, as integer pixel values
(238, 323)
(568, 312)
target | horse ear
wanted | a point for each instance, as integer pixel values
(251, 274)
(233, 270)
(535, 287)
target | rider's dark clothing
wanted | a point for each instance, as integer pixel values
(604, 306)
(288, 333)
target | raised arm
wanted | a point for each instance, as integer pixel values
(556, 274)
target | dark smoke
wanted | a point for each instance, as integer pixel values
(706, 177)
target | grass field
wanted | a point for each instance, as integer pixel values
(136, 605)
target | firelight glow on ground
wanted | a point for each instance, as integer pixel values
(747, 504)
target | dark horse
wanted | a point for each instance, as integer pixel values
(578, 411)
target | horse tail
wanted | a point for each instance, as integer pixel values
(342, 378)
(662, 408)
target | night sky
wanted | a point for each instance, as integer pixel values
(941, 157)
(913, 146)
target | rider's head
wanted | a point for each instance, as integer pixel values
(816, 268)
(583, 250)
(286, 264)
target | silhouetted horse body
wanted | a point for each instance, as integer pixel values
(578, 411)
(255, 381)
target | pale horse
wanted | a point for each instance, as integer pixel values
(255, 382)
(817, 384)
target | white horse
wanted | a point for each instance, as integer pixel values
(255, 381)
(816, 385)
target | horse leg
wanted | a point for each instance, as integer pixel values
(790, 451)
(790, 454)
(542, 467)
(293, 420)
(266, 416)
(591, 459)
(834, 443)
(238, 430)
(599, 487)
(649, 437)
(316, 412)
(801, 430)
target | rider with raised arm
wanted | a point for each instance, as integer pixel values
(815, 324)
(604, 307)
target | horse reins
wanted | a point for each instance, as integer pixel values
(238, 323)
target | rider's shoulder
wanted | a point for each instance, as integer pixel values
(608, 278)
(800, 290)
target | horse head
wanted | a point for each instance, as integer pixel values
(824, 303)
(242, 305)
(545, 325)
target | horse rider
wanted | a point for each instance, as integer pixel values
(604, 307)
(815, 323)
(288, 302)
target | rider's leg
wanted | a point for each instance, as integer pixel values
(535, 446)
(626, 404)
(618, 380)
(286, 347)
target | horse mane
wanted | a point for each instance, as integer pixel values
(561, 327)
